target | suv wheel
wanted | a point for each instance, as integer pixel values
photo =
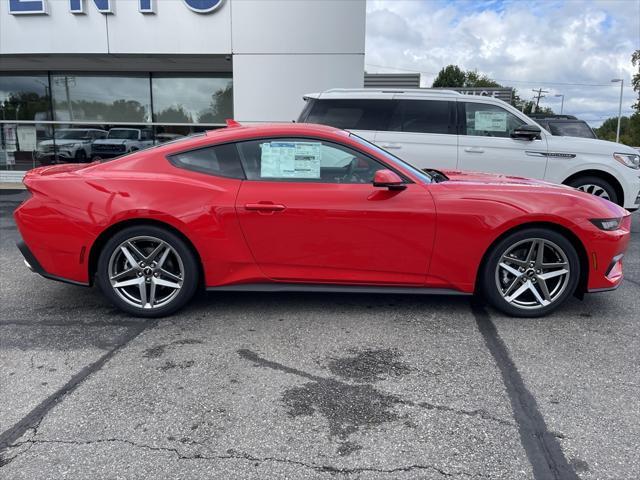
(147, 271)
(81, 155)
(595, 186)
(530, 273)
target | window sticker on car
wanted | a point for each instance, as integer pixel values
(290, 160)
(491, 121)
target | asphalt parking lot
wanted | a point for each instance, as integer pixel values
(314, 385)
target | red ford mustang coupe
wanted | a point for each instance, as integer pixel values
(289, 207)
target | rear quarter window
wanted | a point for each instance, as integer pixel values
(217, 160)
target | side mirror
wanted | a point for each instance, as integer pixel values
(526, 132)
(388, 179)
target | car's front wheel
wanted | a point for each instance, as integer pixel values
(147, 271)
(531, 272)
(595, 186)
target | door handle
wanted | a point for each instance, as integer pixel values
(391, 146)
(264, 207)
(474, 149)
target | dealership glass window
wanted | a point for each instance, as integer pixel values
(305, 160)
(352, 114)
(191, 99)
(101, 98)
(489, 120)
(23, 98)
(424, 116)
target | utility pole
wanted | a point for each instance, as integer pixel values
(539, 96)
(615, 80)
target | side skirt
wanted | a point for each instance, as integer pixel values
(331, 288)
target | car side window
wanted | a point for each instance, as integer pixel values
(424, 116)
(358, 114)
(305, 160)
(486, 120)
(218, 160)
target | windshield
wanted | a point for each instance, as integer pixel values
(571, 129)
(70, 134)
(124, 134)
(393, 159)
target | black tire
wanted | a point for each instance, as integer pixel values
(491, 277)
(593, 185)
(81, 155)
(180, 253)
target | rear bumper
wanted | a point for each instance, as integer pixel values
(33, 264)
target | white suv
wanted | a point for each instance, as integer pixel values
(447, 130)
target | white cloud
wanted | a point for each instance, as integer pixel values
(521, 44)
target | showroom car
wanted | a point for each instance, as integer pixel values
(295, 207)
(120, 141)
(445, 129)
(68, 145)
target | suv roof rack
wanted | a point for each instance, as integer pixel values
(412, 91)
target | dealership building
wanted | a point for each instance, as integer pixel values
(154, 70)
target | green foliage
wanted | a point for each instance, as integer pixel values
(450, 76)
(25, 106)
(629, 130)
(530, 107)
(474, 79)
(635, 80)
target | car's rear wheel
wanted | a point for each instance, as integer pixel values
(595, 186)
(531, 272)
(147, 271)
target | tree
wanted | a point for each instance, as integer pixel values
(475, 80)
(220, 108)
(635, 80)
(173, 114)
(629, 129)
(450, 76)
(530, 107)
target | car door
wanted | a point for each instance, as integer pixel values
(310, 213)
(423, 133)
(485, 143)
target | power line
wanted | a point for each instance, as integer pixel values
(504, 79)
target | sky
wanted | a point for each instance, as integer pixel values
(572, 47)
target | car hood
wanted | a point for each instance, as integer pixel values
(494, 187)
(60, 141)
(497, 179)
(585, 145)
(111, 141)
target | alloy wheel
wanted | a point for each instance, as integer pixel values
(146, 272)
(532, 273)
(596, 190)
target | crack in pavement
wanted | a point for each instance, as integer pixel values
(232, 454)
(32, 419)
(540, 445)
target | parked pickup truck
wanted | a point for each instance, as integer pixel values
(122, 140)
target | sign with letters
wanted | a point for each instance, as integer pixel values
(78, 7)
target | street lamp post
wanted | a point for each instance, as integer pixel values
(561, 104)
(615, 80)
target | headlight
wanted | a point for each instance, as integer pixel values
(607, 224)
(631, 160)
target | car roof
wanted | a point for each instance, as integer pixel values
(268, 129)
(239, 132)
